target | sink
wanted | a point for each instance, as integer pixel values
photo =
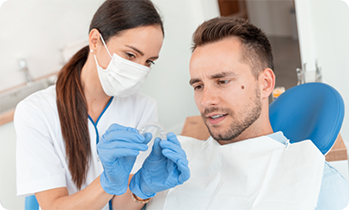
(10, 99)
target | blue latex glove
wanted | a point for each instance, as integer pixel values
(118, 150)
(165, 168)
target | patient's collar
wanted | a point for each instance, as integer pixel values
(278, 136)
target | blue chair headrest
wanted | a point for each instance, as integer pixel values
(312, 111)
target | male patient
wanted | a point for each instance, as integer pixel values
(244, 164)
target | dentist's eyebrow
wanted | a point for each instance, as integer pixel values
(135, 49)
(193, 81)
(222, 74)
(141, 53)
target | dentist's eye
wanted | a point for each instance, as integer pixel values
(150, 62)
(130, 55)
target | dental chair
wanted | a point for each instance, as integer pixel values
(312, 111)
(31, 203)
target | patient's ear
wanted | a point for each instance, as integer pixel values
(267, 82)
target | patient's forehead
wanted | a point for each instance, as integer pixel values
(221, 56)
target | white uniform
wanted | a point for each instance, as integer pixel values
(41, 156)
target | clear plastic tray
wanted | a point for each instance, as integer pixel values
(145, 128)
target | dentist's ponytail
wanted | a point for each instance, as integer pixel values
(72, 110)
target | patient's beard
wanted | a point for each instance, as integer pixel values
(244, 120)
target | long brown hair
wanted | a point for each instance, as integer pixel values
(112, 17)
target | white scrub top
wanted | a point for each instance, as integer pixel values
(41, 157)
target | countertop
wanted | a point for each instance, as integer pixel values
(7, 117)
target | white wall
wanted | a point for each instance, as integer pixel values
(323, 27)
(8, 189)
(273, 17)
(37, 30)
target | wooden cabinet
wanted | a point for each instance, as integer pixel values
(233, 8)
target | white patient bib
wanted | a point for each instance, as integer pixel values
(258, 173)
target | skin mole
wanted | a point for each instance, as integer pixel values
(242, 87)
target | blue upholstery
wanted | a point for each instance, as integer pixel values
(312, 111)
(31, 203)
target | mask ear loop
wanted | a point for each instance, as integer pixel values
(105, 45)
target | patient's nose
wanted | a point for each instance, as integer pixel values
(209, 97)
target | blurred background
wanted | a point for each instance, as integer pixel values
(37, 37)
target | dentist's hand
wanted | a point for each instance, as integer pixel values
(118, 150)
(165, 167)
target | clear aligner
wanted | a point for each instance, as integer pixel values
(155, 125)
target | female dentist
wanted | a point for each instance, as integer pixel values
(62, 156)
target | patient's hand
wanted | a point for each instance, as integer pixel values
(165, 168)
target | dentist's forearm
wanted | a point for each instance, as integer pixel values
(92, 197)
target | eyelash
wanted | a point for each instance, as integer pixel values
(220, 82)
(197, 87)
(131, 56)
(151, 62)
(223, 82)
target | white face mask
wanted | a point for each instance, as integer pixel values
(122, 77)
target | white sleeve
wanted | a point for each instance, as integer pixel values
(37, 163)
(149, 115)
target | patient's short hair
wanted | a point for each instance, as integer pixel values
(256, 48)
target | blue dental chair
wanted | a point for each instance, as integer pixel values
(312, 111)
(31, 203)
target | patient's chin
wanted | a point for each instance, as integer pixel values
(226, 135)
(220, 135)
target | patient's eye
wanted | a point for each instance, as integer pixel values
(223, 82)
(197, 87)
